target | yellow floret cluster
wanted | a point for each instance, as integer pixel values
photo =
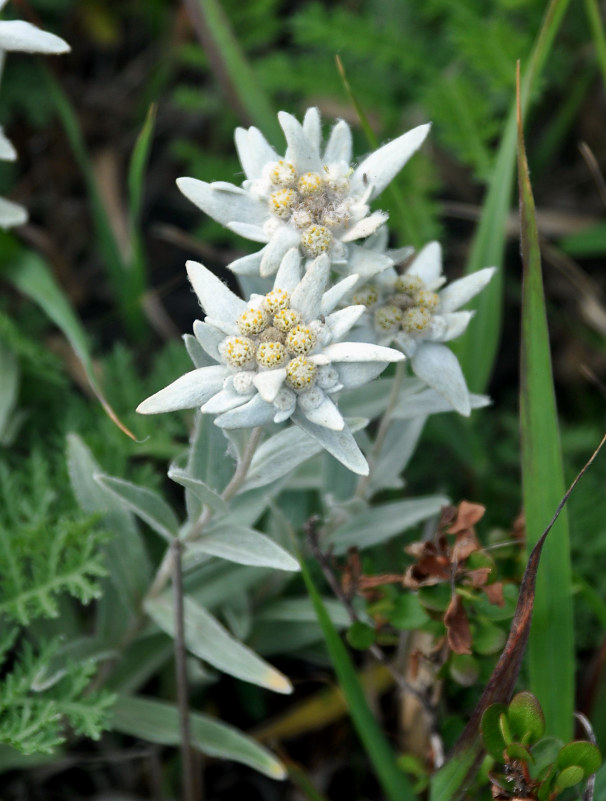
(409, 307)
(314, 202)
(273, 335)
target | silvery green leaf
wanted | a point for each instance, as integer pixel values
(428, 401)
(237, 615)
(338, 482)
(202, 491)
(212, 583)
(9, 385)
(210, 641)
(301, 610)
(279, 455)
(245, 509)
(209, 460)
(127, 562)
(371, 400)
(145, 503)
(291, 624)
(196, 352)
(381, 523)
(158, 722)
(140, 661)
(242, 545)
(400, 443)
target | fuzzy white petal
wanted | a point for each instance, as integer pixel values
(17, 35)
(333, 296)
(439, 368)
(312, 127)
(7, 151)
(247, 265)
(300, 151)
(253, 232)
(355, 375)
(454, 324)
(341, 321)
(361, 352)
(460, 292)
(269, 383)
(256, 412)
(280, 243)
(340, 444)
(378, 169)
(189, 390)
(11, 214)
(427, 263)
(254, 151)
(289, 271)
(428, 401)
(366, 226)
(307, 297)
(209, 338)
(223, 401)
(222, 203)
(366, 263)
(213, 294)
(339, 145)
(325, 414)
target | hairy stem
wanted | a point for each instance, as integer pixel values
(197, 527)
(384, 423)
(187, 772)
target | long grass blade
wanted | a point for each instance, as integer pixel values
(596, 26)
(231, 68)
(551, 642)
(477, 348)
(32, 277)
(117, 269)
(136, 274)
(394, 782)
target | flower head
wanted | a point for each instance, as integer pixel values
(279, 356)
(311, 198)
(416, 312)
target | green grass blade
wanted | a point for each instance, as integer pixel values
(597, 33)
(477, 348)
(394, 782)
(231, 68)
(30, 274)
(551, 642)
(117, 269)
(136, 179)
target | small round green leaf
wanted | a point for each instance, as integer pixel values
(491, 731)
(408, 613)
(525, 718)
(360, 635)
(580, 753)
(519, 752)
(464, 669)
(487, 638)
(569, 777)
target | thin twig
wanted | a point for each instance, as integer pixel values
(181, 674)
(311, 529)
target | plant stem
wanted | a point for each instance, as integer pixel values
(238, 478)
(181, 674)
(384, 424)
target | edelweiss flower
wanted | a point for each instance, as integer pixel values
(312, 199)
(279, 356)
(408, 310)
(16, 35)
